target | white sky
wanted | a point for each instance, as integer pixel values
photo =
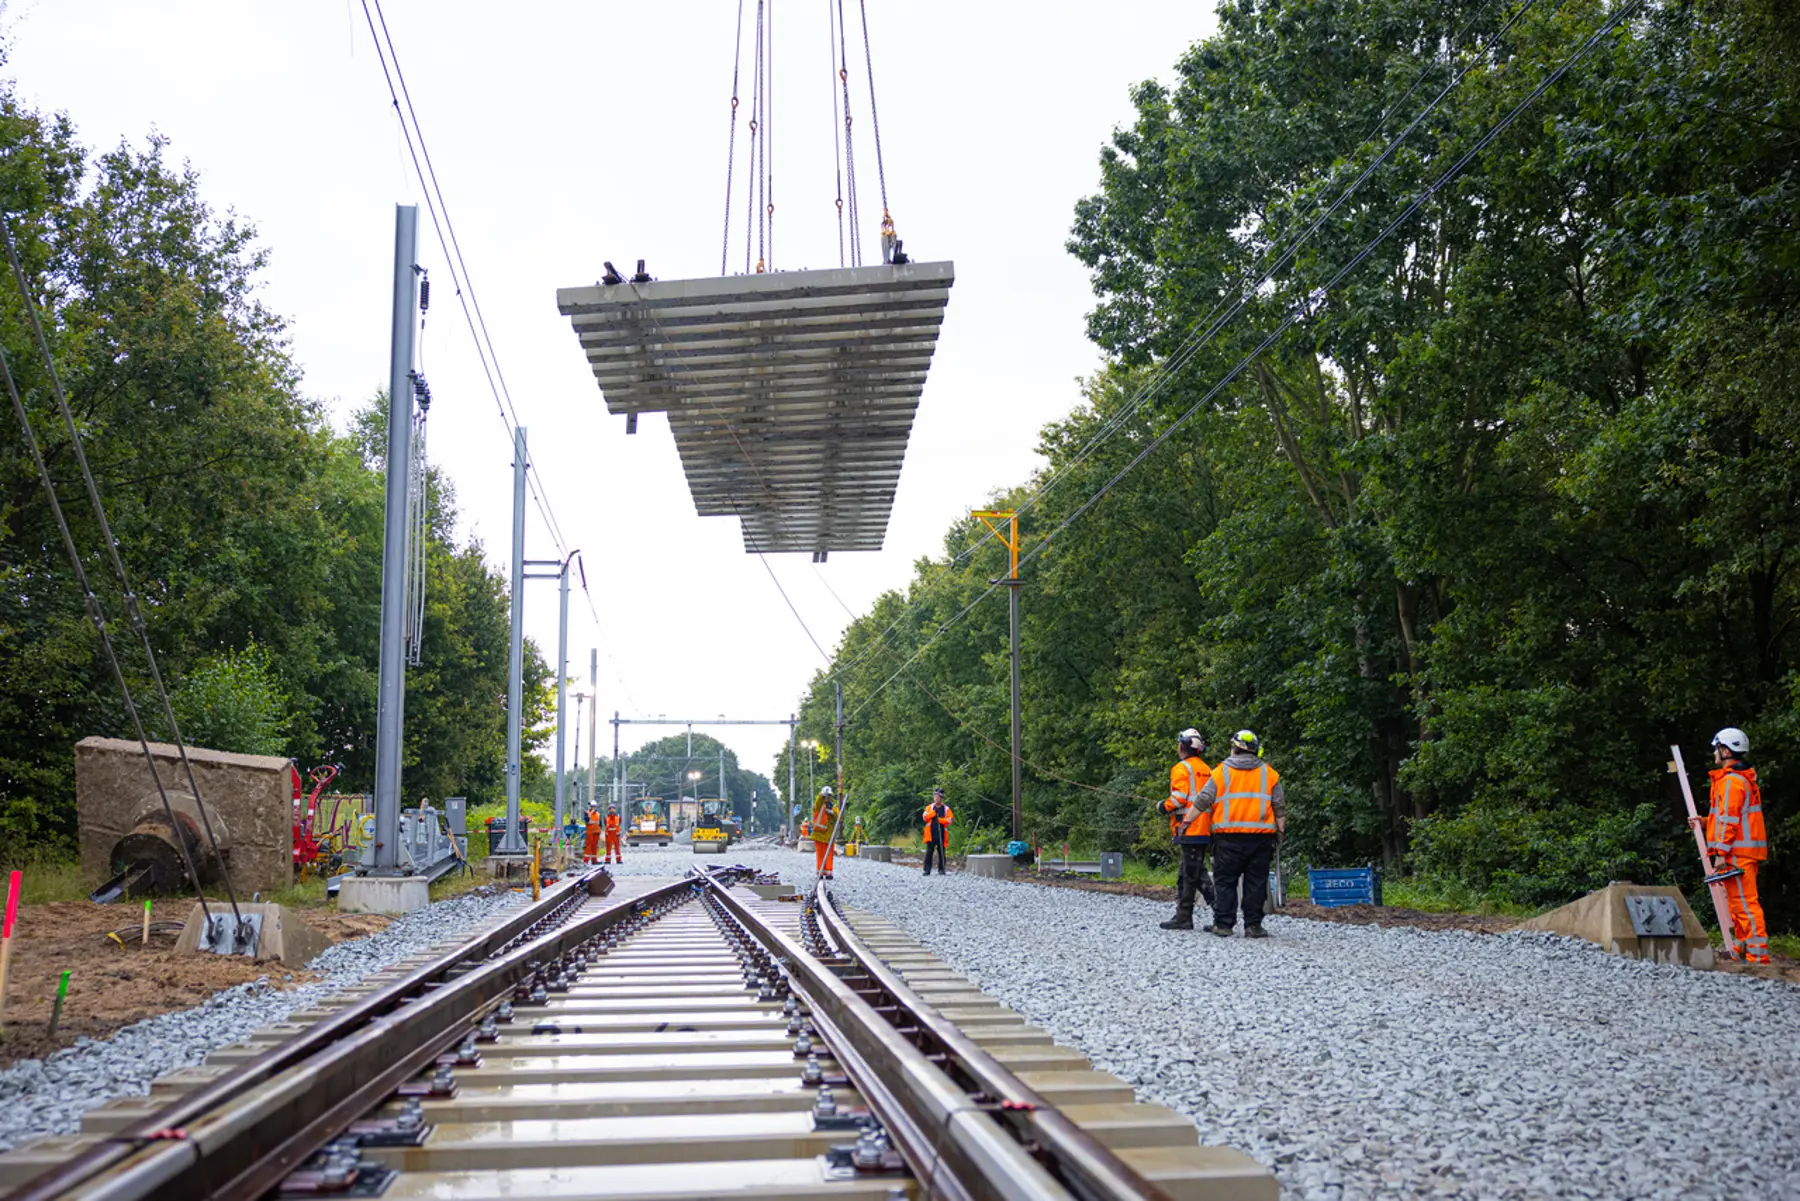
(564, 134)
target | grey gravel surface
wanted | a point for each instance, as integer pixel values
(48, 1096)
(1366, 1062)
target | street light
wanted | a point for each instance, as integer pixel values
(812, 757)
(694, 787)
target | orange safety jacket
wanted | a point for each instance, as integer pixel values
(933, 821)
(1189, 819)
(825, 814)
(1734, 819)
(612, 823)
(1244, 799)
(593, 822)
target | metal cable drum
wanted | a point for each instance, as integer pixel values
(791, 395)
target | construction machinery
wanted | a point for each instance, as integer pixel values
(712, 829)
(649, 823)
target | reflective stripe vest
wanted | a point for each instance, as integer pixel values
(824, 818)
(1187, 818)
(612, 823)
(933, 821)
(593, 822)
(1244, 799)
(1734, 820)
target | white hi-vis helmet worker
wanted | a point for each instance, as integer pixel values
(825, 791)
(1733, 740)
(1246, 740)
(1190, 739)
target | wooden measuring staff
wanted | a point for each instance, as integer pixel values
(1715, 880)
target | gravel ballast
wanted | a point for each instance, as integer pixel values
(1359, 1061)
(48, 1096)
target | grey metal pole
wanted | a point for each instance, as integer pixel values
(1018, 765)
(618, 776)
(593, 721)
(793, 749)
(390, 719)
(562, 688)
(840, 741)
(511, 842)
(724, 795)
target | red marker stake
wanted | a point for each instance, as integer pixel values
(6, 931)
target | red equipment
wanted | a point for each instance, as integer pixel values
(309, 848)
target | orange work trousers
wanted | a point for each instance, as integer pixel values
(822, 856)
(615, 849)
(1747, 925)
(590, 852)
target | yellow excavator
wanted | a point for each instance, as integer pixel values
(649, 823)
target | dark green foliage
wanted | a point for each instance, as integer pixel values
(1494, 523)
(251, 530)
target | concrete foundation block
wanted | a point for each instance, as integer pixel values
(998, 867)
(1604, 918)
(285, 934)
(383, 894)
(880, 854)
(510, 867)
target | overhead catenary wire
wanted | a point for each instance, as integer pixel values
(461, 281)
(1274, 259)
(1314, 298)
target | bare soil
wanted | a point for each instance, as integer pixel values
(115, 981)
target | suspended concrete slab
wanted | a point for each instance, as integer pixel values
(791, 395)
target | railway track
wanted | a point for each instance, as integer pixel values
(701, 1037)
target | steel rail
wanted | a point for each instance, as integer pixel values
(1086, 1167)
(239, 1135)
(946, 1136)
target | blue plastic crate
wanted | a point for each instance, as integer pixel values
(1348, 886)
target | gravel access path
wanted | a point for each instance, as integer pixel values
(1367, 1062)
(48, 1096)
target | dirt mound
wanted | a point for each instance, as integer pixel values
(117, 980)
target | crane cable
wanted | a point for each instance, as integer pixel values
(737, 56)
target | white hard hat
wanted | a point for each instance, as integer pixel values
(825, 791)
(1733, 740)
(1191, 735)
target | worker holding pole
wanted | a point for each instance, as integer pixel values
(826, 811)
(1190, 824)
(1736, 840)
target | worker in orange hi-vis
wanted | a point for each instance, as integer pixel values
(615, 846)
(1190, 825)
(1736, 840)
(824, 828)
(938, 817)
(590, 851)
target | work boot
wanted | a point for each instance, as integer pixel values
(1222, 931)
(1255, 932)
(1179, 922)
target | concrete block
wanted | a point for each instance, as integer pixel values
(1602, 918)
(383, 894)
(249, 800)
(998, 867)
(880, 854)
(285, 934)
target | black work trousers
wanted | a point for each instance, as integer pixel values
(1246, 857)
(934, 845)
(1191, 879)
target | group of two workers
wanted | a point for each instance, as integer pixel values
(822, 830)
